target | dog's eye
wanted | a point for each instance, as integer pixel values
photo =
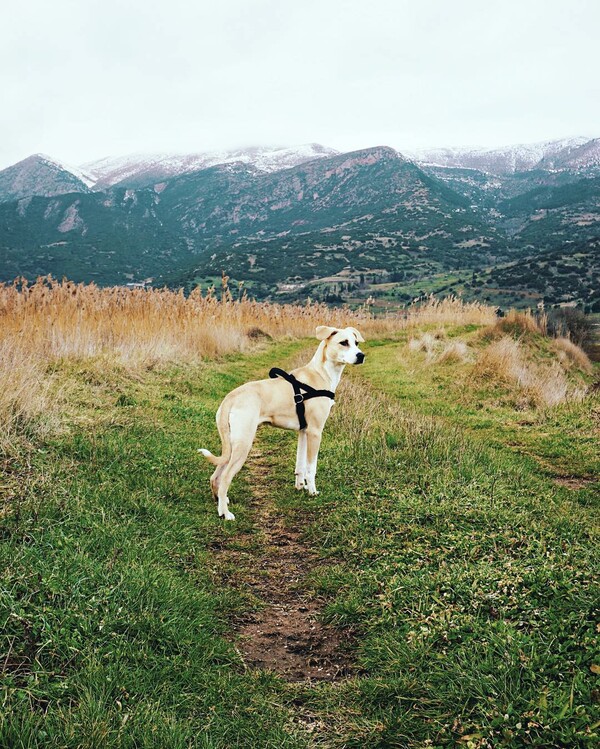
(343, 343)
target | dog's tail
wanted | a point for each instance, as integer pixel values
(216, 460)
(223, 427)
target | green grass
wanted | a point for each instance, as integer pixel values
(467, 575)
(562, 440)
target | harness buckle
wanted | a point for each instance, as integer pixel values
(298, 398)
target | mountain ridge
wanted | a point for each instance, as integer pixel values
(553, 154)
(141, 170)
(365, 221)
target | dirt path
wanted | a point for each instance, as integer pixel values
(285, 635)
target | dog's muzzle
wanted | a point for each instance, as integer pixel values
(360, 357)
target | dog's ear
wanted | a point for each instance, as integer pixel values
(359, 338)
(324, 331)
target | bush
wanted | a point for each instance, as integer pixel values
(570, 322)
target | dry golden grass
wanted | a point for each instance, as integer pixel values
(50, 321)
(571, 353)
(541, 384)
(450, 311)
(454, 351)
(24, 393)
(519, 321)
(61, 319)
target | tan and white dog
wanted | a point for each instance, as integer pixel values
(272, 402)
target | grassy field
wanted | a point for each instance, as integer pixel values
(455, 541)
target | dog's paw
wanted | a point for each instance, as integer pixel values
(228, 515)
(300, 484)
(312, 491)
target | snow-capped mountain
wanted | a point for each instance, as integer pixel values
(41, 175)
(583, 157)
(554, 154)
(138, 170)
(275, 227)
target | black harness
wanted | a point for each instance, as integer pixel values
(299, 396)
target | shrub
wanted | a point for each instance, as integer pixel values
(572, 323)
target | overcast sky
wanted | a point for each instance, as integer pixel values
(82, 79)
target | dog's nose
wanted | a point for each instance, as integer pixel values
(360, 357)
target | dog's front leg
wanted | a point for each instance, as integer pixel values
(301, 460)
(313, 439)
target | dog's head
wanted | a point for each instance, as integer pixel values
(341, 345)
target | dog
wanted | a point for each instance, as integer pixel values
(280, 401)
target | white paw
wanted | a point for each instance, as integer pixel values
(223, 511)
(312, 490)
(300, 483)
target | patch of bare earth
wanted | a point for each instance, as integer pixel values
(574, 482)
(285, 635)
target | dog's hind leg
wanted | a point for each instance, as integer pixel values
(242, 429)
(224, 433)
(301, 460)
(215, 478)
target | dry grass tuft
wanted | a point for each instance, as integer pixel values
(519, 322)
(454, 352)
(501, 360)
(570, 352)
(541, 385)
(427, 342)
(449, 351)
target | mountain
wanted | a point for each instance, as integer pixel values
(585, 157)
(107, 238)
(362, 186)
(41, 175)
(340, 227)
(142, 170)
(370, 209)
(555, 154)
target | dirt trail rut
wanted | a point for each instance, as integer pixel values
(285, 635)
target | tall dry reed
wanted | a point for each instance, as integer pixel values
(49, 320)
(63, 319)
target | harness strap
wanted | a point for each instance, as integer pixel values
(299, 396)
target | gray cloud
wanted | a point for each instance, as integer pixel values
(81, 79)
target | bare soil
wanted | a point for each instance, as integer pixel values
(285, 635)
(573, 482)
